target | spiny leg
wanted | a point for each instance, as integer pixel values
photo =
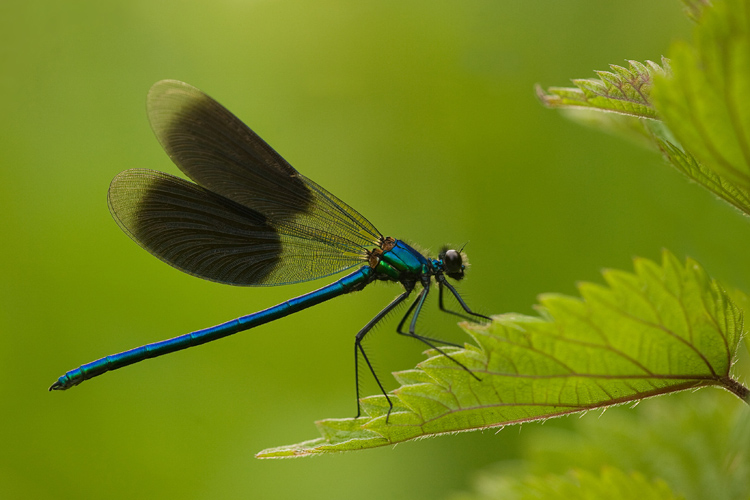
(420, 337)
(359, 349)
(417, 308)
(443, 282)
(446, 310)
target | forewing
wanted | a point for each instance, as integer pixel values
(220, 153)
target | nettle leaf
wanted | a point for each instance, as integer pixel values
(647, 130)
(704, 103)
(661, 329)
(732, 193)
(623, 90)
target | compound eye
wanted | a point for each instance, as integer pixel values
(452, 262)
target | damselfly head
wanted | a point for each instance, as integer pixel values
(453, 263)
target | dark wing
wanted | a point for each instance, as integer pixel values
(252, 219)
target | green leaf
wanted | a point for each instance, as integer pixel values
(611, 483)
(704, 103)
(686, 163)
(623, 90)
(584, 106)
(662, 329)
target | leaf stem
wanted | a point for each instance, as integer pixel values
(737, 389)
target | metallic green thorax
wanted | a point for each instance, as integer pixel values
(397, 260)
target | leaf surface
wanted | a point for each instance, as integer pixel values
(623, 90)
(704, 103)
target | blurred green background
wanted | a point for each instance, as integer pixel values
(420, 114)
